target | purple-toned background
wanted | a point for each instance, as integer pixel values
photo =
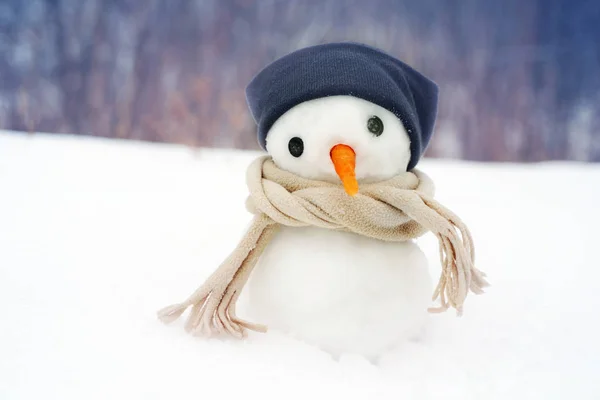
(520, 80)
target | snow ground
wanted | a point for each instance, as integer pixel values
(96, 235)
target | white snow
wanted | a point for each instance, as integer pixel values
(96, 235)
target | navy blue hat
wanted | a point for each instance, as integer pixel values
(346, 69)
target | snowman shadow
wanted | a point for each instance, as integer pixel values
(396, 351)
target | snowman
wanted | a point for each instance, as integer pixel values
(340, 287)
(331, 257)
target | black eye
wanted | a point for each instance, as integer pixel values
(375, 125)
(296, 146)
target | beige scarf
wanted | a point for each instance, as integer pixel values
(398, 209)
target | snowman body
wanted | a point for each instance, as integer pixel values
(338, 290)
(342, 292)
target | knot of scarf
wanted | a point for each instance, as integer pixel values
(398, 209)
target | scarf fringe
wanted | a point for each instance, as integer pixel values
(212, 305)
(457, 257)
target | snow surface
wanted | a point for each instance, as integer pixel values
(96, 235)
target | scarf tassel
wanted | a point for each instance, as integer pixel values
(457, 257)
(212, 305)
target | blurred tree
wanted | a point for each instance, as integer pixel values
(518, 79)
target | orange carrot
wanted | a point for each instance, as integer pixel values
(344, 161)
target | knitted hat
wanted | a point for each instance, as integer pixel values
(346, 69)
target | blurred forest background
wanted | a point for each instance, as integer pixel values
(519, 79)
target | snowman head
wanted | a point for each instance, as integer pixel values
(343, 111)
(336, 137)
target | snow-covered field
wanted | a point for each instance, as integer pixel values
(96, 235)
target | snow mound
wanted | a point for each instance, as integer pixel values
(96, 235)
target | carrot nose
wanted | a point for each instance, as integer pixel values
(344, 161)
